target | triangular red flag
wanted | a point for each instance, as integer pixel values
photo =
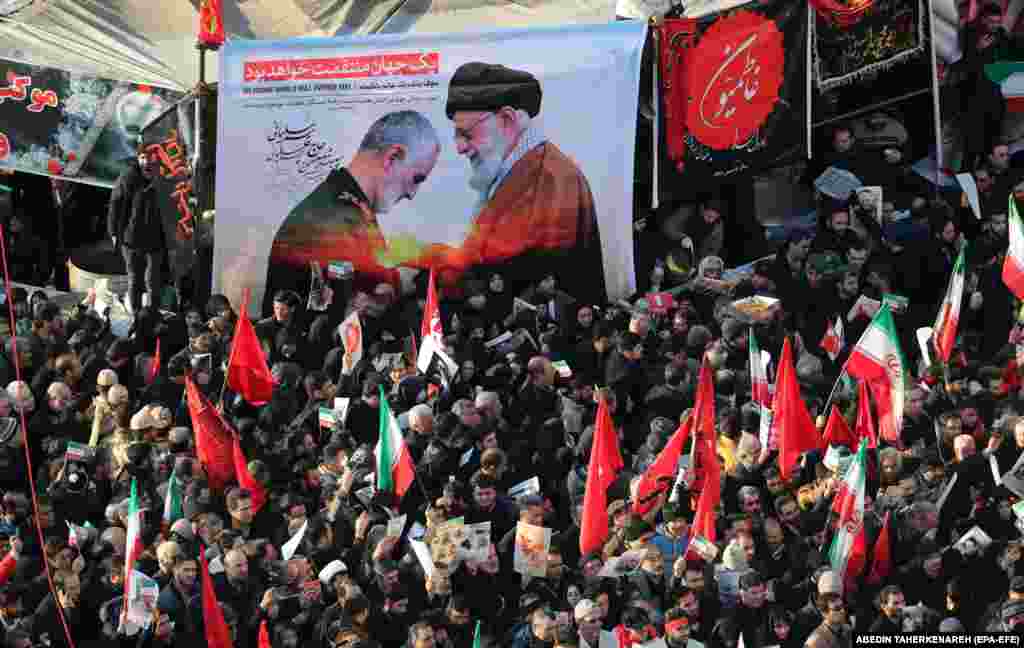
(660, 475)
(791, 424)
(248, 373)
(263, 639)
(837, 432)
(705, 458)
(864, 428)
(245, 478)
(881, 561)
(154, 369)
(218, 635)
(213, 437)
(431, 324)
(605, 463)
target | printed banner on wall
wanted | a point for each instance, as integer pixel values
(59, 123)
(735, 93)
(508, 152)
(887, 32)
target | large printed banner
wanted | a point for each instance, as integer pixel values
(83, 128)
(508, 152)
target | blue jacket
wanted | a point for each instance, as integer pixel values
(672, 549)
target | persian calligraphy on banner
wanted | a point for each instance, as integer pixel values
(734, 90)
(78, 127)
(342, 67)
(886, 33)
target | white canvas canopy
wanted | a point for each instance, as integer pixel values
(153, 41)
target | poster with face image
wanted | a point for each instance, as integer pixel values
(504, 152)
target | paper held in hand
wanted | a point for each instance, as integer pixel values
(525, 488)
(532, 545)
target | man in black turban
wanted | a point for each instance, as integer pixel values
(535, 210)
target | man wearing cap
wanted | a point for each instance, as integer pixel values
(338, 220)
(588, 620)
(534, 212)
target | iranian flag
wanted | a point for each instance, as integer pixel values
(133, 545)
(173, 510)
(877, 359)
(395, 470)
(948, 319)
(758, 375)
(1013, 267)
(834, 339)
(848, 553)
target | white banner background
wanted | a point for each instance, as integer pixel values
(589, 76)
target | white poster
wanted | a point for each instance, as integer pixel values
(508, 151)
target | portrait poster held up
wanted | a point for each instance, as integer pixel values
(465, 153)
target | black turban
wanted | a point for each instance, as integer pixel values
(484, 87)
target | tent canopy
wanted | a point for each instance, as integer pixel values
(153, 41)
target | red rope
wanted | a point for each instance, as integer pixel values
(24, 438)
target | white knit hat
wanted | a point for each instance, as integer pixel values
(332, 569)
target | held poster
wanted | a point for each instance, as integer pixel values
(508, 151)
(58, 123)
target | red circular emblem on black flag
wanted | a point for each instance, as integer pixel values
(735, 76)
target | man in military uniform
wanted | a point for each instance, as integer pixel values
(338, 220)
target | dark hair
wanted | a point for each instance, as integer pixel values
(482, 481)
(629, 341)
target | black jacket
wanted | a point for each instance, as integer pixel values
(134, 216)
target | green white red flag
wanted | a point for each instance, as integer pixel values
(395, 470)
(133, 548)
(1013, 266)
(834, 339)
(877, 358)
(848, 553)
(948, 319)
(758, 375)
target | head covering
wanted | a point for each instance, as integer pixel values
(616, 507)
(951, 625)
(583, 608)
(179, 435)
(106, 378)
(332, 569)
(160, 417)
(117, 395)
(829, 583)
(487, 87)
(141, 420)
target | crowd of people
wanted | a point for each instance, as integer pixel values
(303, 550)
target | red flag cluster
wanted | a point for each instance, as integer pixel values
(705, 458)
(791, 423)
(248, 373)
(213, 437)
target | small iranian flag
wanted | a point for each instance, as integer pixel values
(848, 553)
(877, 359)
(1013, 267)
(476, 636)
(351, 333)
(948, 319)
(173, 510)
(395, 470)
(133, 546)
(834, 339)
(758, 374)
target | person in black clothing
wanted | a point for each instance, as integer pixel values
(890, 602)
(134, 226)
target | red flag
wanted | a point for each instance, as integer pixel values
(659, 476)
(431, 332)
(218, 635)
(837, 432)
(705, 458)
(791, 424)
(605, 463)
(213, 437)
(263, 640)
(154, 369)
(211, 23)
(248, 373)
(246, 480)
(864, 428)
(881, 562)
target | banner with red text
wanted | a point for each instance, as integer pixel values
(508, 152)
(79, 127)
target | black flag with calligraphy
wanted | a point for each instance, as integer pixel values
(734, 93)
(72, 126)
(170, 138)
